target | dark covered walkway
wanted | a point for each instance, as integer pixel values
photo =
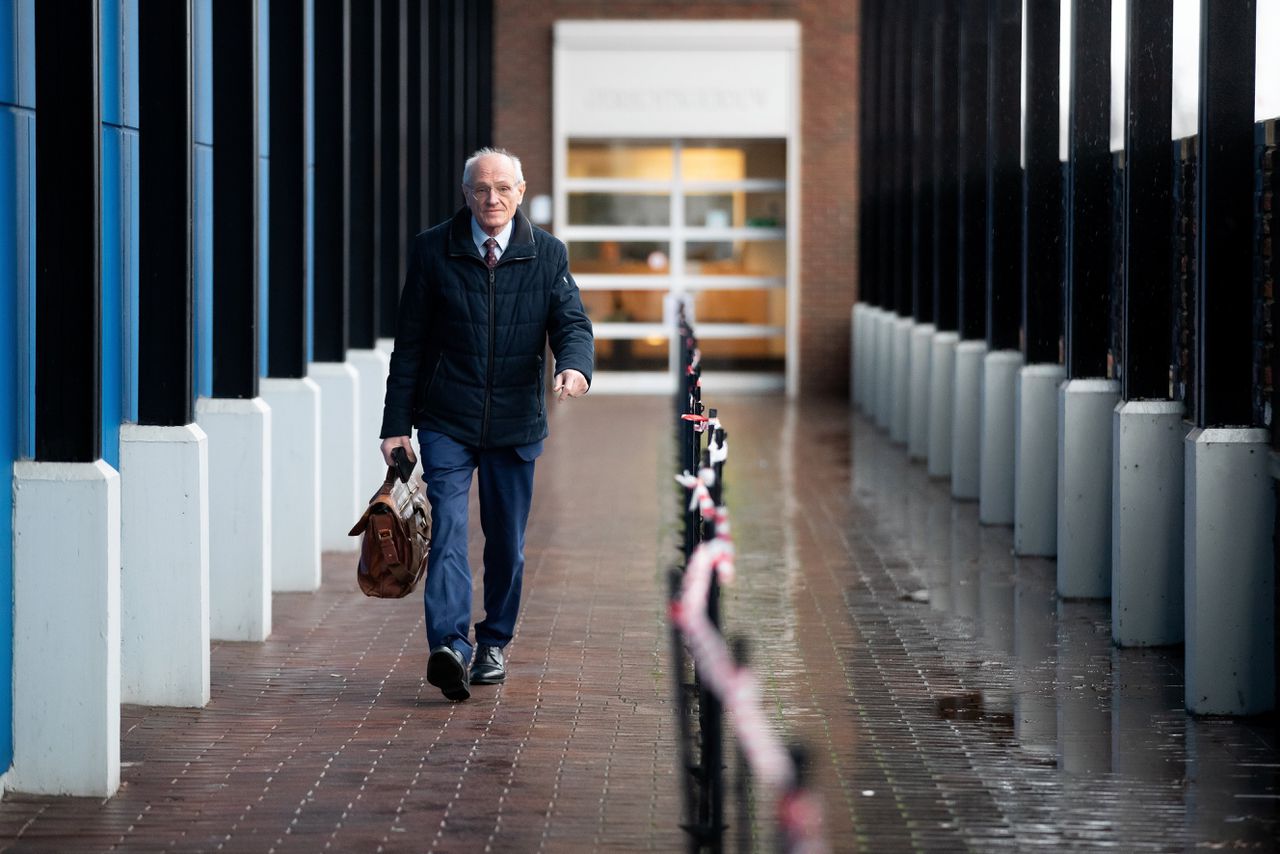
(947, 698)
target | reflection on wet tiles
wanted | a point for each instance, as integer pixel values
(1083, 687)
(1147, 719)
(1035, 650)
(923, 663)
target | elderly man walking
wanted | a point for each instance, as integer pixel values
(484, 294)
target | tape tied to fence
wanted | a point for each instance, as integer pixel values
(799, 812)
(699, 486)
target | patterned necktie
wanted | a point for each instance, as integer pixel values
(491, 253)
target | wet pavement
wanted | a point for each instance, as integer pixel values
(947, 699)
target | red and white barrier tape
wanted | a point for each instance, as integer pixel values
(799, 812)
(700, 488)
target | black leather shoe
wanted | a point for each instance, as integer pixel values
(488, 666)
(445, 671)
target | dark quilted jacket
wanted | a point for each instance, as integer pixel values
(468, 359)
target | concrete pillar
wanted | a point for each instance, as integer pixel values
(942, 372)
(1035, 460)
(901, 396)
(857, 320)
(995, 479)
(340, 438)
(66, 634)
(966, 425)
(1230, 573)
(373, 367)
(240, 507)
(1085, 410)
(918, 414)
(164, 578)
(1147, 583)
(295, 482)
(884, 369)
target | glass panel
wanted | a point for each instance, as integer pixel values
(736, 258)
(744, 354)
(712, 160)
(619, 209)
(736, 210)
(632, 354)
(765, 306)
(619, 257)
(618, 159)
(623, 306)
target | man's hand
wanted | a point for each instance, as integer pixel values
(569, 383)
(392, 442)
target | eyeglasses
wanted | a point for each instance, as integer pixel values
(479, 193)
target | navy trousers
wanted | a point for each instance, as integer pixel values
(506, 492)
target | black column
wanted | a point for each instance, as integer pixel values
(1089, 258)
(886, 223)
(165, 279)
(362, 179)
(1148, 213)
(416, 121)
(1225, 199)
(868, 155)
(235, 199)
(389, 202)
(329, 205)
(946, 149)
(972, 196)
(1004, 176)
(1043, 233)
(68, 233)
(902, 161)
(286, 235)
(922, 178)
(460, 82)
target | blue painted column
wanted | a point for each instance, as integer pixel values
(120, 225)
(17, 285)
(202, 192)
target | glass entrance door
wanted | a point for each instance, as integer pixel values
(704, 221)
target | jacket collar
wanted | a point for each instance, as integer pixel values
(521, 244)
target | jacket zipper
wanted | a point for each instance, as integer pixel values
(488, 378)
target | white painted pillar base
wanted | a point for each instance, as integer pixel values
(864, 367)
(239, 516)
(942, 372)
(1085, 410)
(966, 426)
(856, 318)
(373, 367)
(164, 565)
(66, 633)
(1147, 583)
(901, 394)
(295, 482)
(1035, 460)
(386, 345)
(995, 455)
(1230, 573)
(340, 443)
(884, 369)
(918, 414)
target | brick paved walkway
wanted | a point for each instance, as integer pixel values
(949, 701)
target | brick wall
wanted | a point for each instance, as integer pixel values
(828, 141)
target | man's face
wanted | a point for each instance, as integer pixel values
(493, 194)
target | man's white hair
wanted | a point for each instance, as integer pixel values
(485, 152)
